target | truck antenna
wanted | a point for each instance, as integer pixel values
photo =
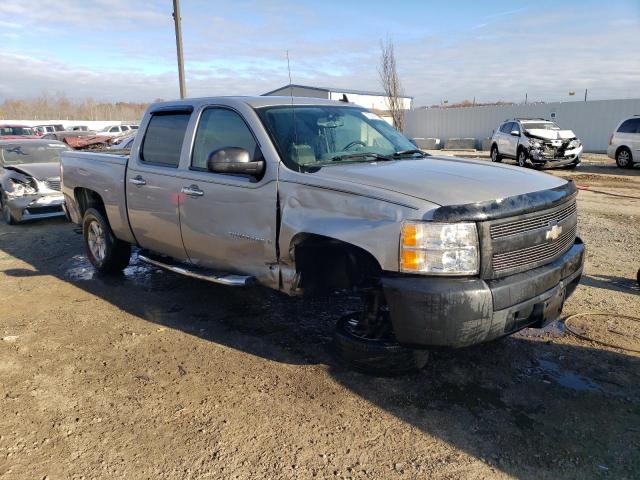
(293, 115)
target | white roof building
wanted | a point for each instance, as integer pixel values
(370, 100)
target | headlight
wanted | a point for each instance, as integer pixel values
(575, 143)
(439, 248)
(535, 143)
(21, 188)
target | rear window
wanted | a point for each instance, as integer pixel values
(163, 139)
(630, 126)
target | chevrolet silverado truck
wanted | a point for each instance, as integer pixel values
(313, 197)
(536, 142)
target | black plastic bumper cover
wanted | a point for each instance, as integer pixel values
(457, 312)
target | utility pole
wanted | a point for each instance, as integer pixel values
(178, 21)
(526, 97)
(585, 94)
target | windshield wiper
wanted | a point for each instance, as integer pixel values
(353, 156)
(410, 152)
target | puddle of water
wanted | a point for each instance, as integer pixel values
(567, 378)
(79, 268)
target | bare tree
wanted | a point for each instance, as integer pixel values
(388, 73)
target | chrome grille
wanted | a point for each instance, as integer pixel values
(535, 254)
(525, 225)
(53, 183)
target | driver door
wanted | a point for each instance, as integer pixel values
(228, 221)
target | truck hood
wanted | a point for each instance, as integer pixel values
(41, 171)
(545, 134)
(443, 180)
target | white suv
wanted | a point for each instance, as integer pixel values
(624, 143)
(535, 142)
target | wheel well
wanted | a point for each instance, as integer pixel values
(324, 265)
(622, 147)
(86, 199)
(494, 145)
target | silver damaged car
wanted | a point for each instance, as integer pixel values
(30, 179)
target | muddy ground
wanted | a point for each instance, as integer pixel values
(151, 375)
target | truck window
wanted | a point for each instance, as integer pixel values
(163, 139)
(218, 128)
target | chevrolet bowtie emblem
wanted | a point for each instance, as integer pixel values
(554, 232)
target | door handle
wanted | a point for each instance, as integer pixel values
(192, 191)
(138, 180)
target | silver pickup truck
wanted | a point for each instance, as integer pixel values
(313, 197)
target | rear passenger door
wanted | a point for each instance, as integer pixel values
(153, 187)
(228, 221)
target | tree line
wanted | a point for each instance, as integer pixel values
(59, 107)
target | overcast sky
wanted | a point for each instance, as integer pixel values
(453, 50)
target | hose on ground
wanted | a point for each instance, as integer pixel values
(572, 330)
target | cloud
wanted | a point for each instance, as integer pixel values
(125, 50)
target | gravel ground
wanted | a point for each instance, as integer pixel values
(151, 375)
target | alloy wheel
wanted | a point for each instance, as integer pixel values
(97, 241)
(623, 158)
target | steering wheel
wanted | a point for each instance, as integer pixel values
(355, 142)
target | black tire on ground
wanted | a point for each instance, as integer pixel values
(624, 158)
(495, 156)
(7, 216)
(522, 158)
(376, 357)
(105, 252)
(571, 166)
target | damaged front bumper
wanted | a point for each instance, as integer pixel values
(36, 206)
(458, 312)
(550, 156)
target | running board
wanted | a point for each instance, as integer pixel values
(227, 279)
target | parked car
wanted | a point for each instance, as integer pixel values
(30, 179)
(310, 197)
(78, 128)
(16, 131)
(114, 130)
(535, 142)
(624, 143)
(42, 129)
(123, 143)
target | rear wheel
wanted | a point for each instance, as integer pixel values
(7, 216)
(105, 252)
(365, 341)
(623, 158)
(495, 156)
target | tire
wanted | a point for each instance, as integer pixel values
(572, 166)
(624, 158)
(522, 158)
(376, 357)
(495, 156)
(7, 216)
(105, 252)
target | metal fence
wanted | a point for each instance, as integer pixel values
(592, 121)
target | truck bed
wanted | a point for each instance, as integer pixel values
(104, 174)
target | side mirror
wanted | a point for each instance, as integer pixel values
(515, 133)
(234, 160)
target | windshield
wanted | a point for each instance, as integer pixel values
(21, 153)
(540, 126)
(15, 131)
(308, 136)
